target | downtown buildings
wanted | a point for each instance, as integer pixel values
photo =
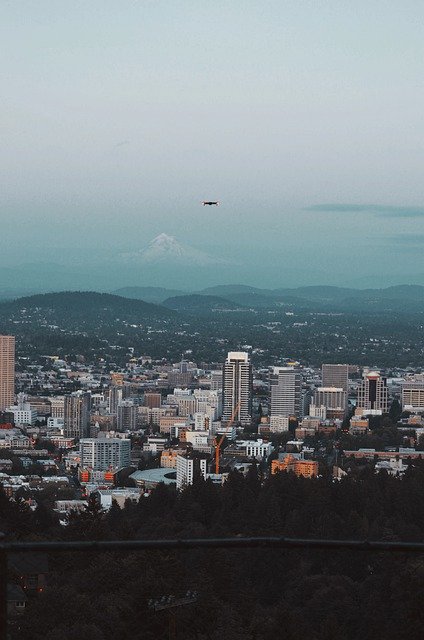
(7, 371)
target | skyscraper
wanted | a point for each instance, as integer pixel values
(7, 371)
(237, 388)
(372, 393)
(77, 415)
(286, 391)
(126, 417)
(336, 375)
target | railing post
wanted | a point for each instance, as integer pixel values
(3, 590)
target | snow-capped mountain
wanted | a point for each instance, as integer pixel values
(166, 250)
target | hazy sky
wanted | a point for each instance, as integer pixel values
(305, 118)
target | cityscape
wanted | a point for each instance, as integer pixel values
(91, 445)
(211, 320)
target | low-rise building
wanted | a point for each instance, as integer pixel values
(297, 465)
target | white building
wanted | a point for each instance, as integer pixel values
(55, 423)
(318, 411)
(278, 424)
(256, 448)
(197, 439)
(22, 412)
(101, 454)
(106, 497)
(155, 444)
(190, 466)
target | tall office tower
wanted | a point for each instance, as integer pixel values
(7, 371)
(77, 415)
(101, 454)
(126, 415)
(237, 388)
(115, 397)
(372, 393)
(286, 392)
(336, 375)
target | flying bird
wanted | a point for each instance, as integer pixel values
(210, 203)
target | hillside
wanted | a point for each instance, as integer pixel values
(76, 310)
(149, 294)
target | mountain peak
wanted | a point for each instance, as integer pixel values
(165, 249)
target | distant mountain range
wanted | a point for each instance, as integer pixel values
(157, 301)
(400, 298)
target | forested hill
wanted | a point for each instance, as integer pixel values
(73, 306)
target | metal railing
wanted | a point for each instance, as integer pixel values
(272, 542)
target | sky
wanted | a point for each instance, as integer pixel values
(304, 118)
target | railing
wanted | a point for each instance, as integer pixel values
(189, 543)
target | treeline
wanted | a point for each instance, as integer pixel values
(256, 594)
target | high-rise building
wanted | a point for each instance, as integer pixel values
(189, 467)
(237, 388)
(286, 392)
(77, 415)
(126, 416)
(101, 454)
(116, 394)
(333, 399)
(372, 393)
(336, 375)
(413, 395)
(7, 371)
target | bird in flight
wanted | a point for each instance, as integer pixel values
(210, 203)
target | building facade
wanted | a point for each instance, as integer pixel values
(372, 393)
(126, 416)
(413, 396)
(101, 454)
(189, 467)
(286, 391)
(237, 388)
(336, 375)
(76, 422)
(7, 371)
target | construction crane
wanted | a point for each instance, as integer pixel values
(218, 443)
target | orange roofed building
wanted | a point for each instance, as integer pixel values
(305, 468)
